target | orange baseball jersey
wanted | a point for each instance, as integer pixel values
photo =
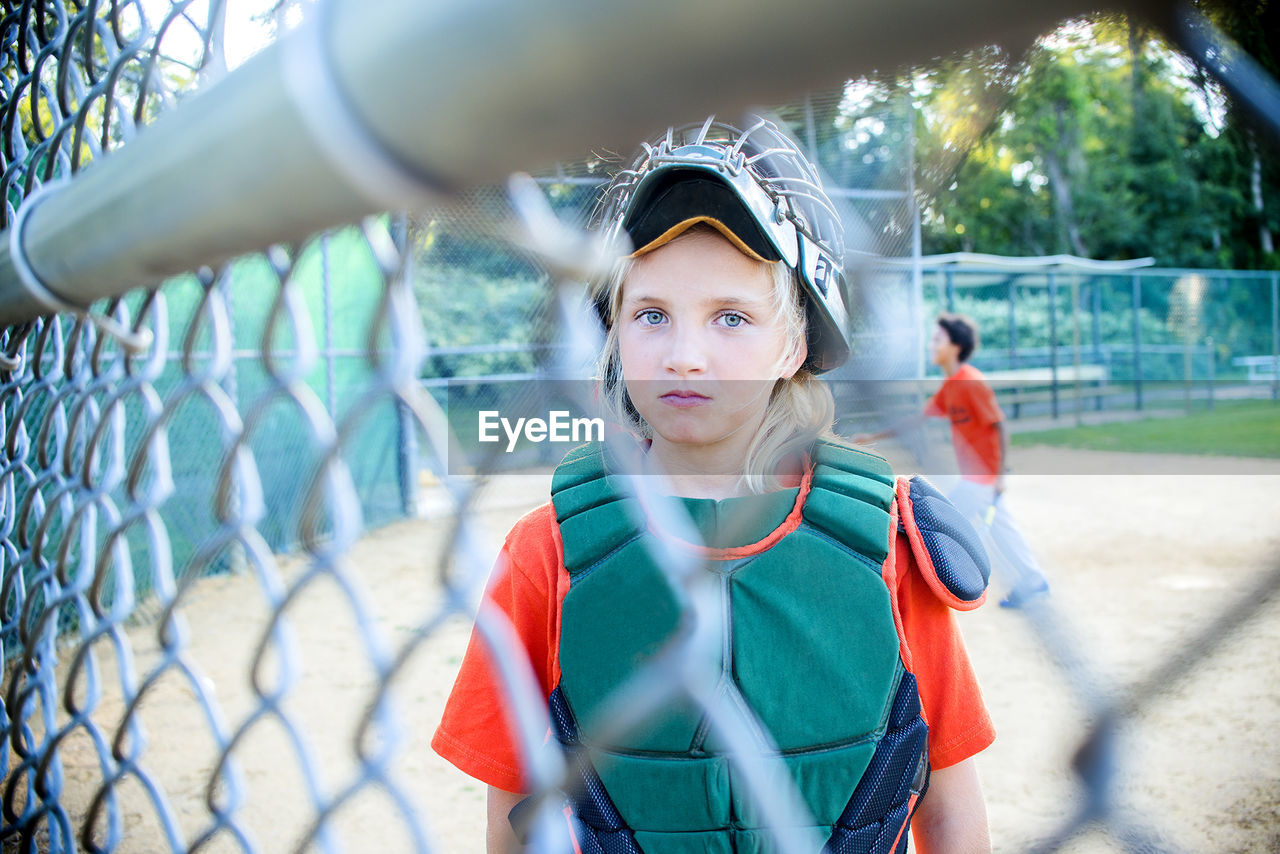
(969, 402)
(529, 584)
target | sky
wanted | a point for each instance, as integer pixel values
(248, 29)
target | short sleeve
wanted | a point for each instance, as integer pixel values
(474, 733)
(937, 405)
(959, 724)
(982, 402)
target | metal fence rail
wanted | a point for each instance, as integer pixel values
(307, 400)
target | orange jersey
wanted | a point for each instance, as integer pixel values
(529, 584)
(968, 401)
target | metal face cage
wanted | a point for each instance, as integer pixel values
(780, 189)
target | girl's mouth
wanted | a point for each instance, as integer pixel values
(683, 398)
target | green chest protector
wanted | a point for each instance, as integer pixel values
(808, 641)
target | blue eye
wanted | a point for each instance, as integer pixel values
(651, 317)
(733, 321)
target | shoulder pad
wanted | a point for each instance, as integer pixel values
(945, 545)
(849, 499)
(594, 515)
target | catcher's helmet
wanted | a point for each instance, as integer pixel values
(756, 188)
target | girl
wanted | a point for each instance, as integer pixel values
(834, 582)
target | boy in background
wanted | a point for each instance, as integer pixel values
(981, 444)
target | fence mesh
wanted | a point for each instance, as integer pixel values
(293, 401)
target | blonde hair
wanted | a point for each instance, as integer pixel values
(800, 407)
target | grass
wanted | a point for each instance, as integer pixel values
(1247, 428)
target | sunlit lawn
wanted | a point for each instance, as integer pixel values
(1248, 428)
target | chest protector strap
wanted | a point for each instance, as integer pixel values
(809, 642)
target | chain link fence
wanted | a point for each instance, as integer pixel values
(238, 432)
(1071, 339)
(1136, 339)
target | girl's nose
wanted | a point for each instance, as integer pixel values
(686, 352)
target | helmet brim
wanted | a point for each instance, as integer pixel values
(673, 200)
(683, 186)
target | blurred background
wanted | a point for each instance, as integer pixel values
(1104, 207)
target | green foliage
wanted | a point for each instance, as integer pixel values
(1033, 323)
(463, 308)
(484, 303)
(1105, 145)
(57, 113)
(860, 133)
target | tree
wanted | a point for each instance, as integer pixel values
(1249, 163)
(1100, 152)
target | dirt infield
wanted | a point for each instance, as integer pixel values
(1137, 564)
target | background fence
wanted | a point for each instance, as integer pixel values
(1163, 327)
(278, 406)
(1059, 339)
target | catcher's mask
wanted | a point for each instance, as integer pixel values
(758, 190)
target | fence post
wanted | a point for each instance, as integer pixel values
(1100, 355)
(1013, 321)
(407, 458)
(1208, 343)
(238, 561)
(1189, 346)
(406, 426)
(1095, 293)
(230, 383)
(1053, 343)
(916, 313)
(1137, 342)
(326, 282)
(1013, 332)
(1075, 347)
(1275, 336)
(917, 252)
(1095, 283)
(1187, 373)
(810, 134)
(949, 280)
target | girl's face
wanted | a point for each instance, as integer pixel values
(702, 345)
